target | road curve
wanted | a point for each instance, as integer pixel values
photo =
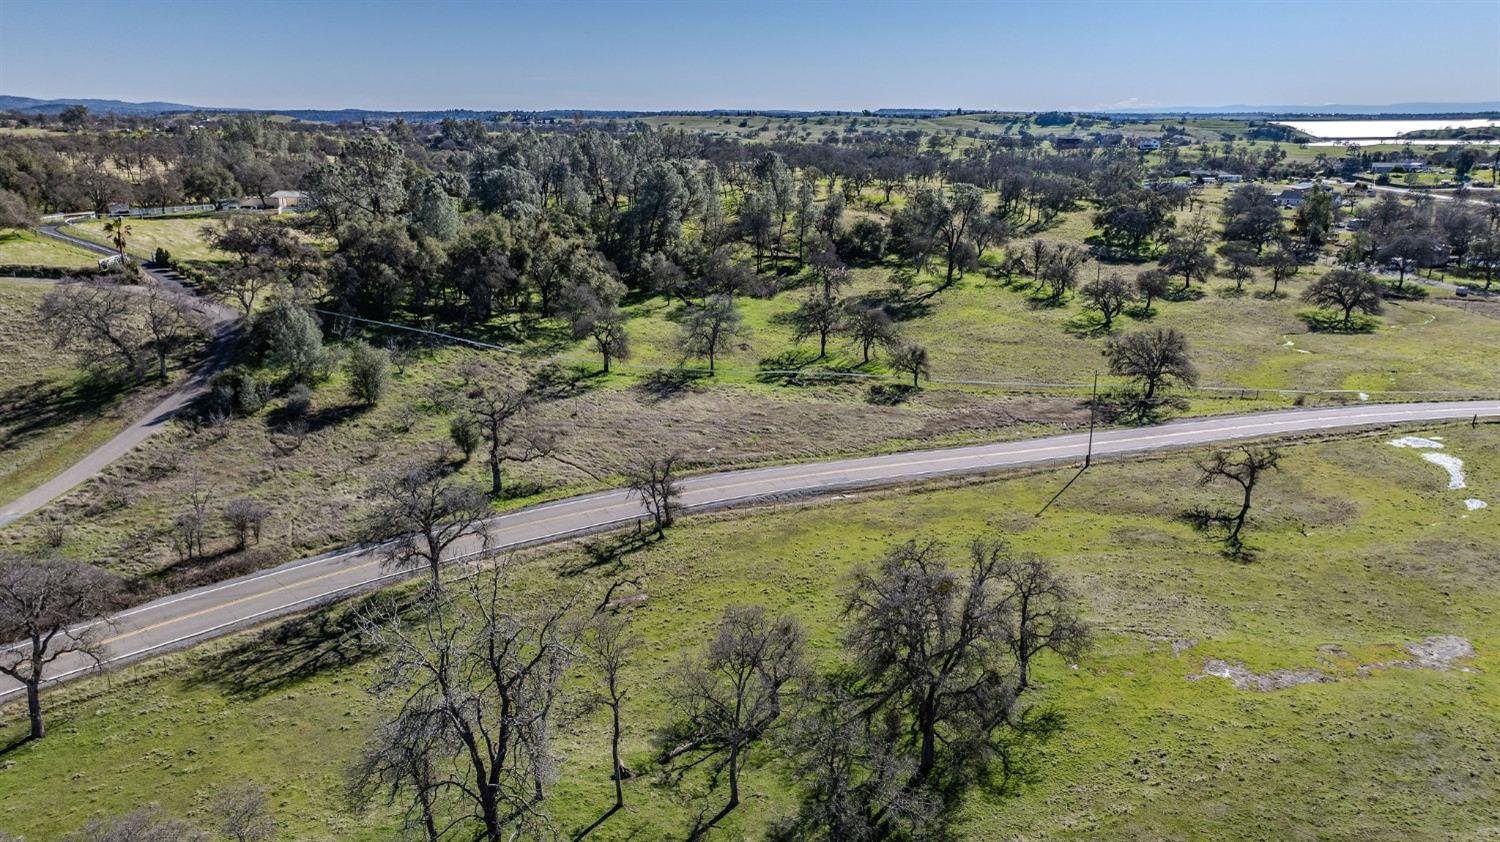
(196, 615)
(224, 324)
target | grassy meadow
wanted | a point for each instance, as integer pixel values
(28, 248)
(51, 412)
(1363, 550)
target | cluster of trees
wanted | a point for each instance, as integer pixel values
(118, 329)
(1415, 235)
(929, 695)
(154, 164)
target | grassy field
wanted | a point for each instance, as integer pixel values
(51, 413)
(317, 491)
(27, 248)
(1363, 550)
(984, 329)
(988, 328)
(180, 235)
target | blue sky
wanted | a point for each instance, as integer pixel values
(667, 55)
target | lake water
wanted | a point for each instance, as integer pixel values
(1388, 131)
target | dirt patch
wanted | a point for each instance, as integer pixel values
(1244, 679)
(1441, 653)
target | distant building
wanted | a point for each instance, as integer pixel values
(1404, 166)
(1147, 144)
(1292, 197)
(284, 200)
(1067, 141)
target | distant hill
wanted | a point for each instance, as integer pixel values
(29, 105)
(1332, 110)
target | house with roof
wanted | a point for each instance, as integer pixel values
(1387, 167)
(1291, 197)
(1148, 144)
(284, 200)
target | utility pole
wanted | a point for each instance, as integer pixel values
(1088, 456)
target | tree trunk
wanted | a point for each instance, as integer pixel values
(734, 779)
(614, 750)
(34, 709)
(494, 470)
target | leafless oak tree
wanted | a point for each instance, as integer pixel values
(1242, 466)
(653, 480)
(733, 694)
(49, 608)
(477, 681)
(422, 512)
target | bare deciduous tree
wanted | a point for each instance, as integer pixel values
(244, 814)
(711, 328)
(733, 694)
(911, 359)
(50, 608)
(397, 764)
(422, 513)
(172, 320)
(96, 320)
(245, 518)
(509, 435)
(1109, 295)
(653, 480)
(148, 824)
(1242, 466)
(1152, 358)
(608, 643)
(477, 682)
(949, 651)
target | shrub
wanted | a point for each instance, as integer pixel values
(369, 372)
(298, 403)
(465, 434)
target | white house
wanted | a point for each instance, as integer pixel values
(283, 200)
(1147, 144)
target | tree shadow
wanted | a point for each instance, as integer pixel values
(17, 743)
(296, 650)
(1325, 321)
(1178, 294)
(1269, 295)
(31, 410)
(1089, 323)
(611, 551)
(1045, 302)
(796, 367)
(666, 383)
(889, 394)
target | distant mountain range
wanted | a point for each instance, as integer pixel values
(29, 105)
(1337, 109)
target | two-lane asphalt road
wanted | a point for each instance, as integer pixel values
(213, 610)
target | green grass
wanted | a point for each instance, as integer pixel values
(1362, 547)
(28, 248)
(182, 236)
(988, 329)
(51, 412)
